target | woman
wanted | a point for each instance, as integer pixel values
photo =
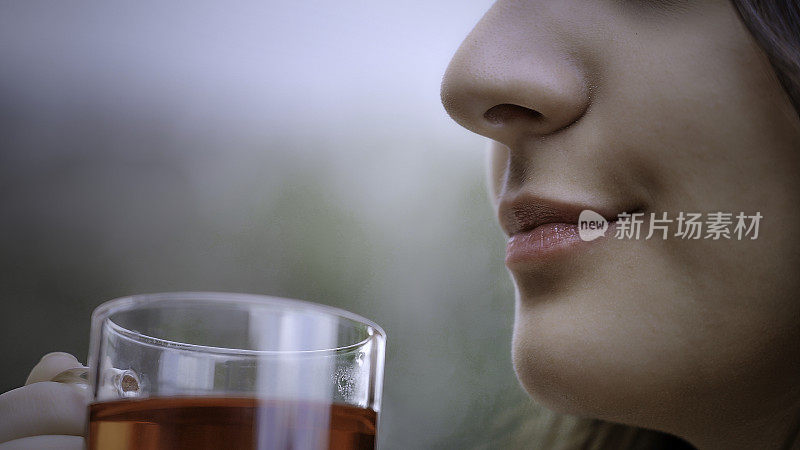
(651, 107)
(671, 108)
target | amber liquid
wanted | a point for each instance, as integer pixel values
(228, 423)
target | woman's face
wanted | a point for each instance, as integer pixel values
(652, 106)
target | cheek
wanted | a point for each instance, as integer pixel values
(699, 118)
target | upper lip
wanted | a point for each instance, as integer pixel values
(525, 212)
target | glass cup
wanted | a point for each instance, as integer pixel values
(201, 370)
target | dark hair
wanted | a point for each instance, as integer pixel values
(775, 25)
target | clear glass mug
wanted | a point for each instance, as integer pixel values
(202, 370)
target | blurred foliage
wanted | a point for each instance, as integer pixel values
(153, 147)
(96, 208)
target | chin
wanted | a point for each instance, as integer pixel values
(574, 360)
(549, 377)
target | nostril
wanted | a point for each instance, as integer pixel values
(506, 113)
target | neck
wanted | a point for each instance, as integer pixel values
(778, 429)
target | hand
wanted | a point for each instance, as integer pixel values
(44, 414)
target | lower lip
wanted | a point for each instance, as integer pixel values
(541, 242)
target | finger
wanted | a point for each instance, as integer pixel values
(45, 443)
(51, 365)
(42, 408)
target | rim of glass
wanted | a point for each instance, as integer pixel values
(104, 311)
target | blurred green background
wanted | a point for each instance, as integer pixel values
(296, 150)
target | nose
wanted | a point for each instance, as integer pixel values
(513, 77)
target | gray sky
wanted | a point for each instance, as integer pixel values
(310, 64)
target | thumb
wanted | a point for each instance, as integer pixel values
(51, 365)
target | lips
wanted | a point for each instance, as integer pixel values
(540, 229)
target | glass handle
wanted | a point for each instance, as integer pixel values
(78, 376)
(125, 382)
